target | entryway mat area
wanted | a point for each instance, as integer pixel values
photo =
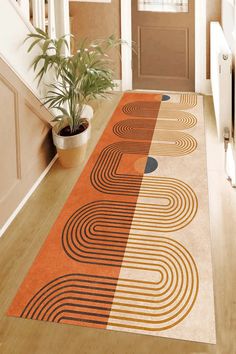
(131, 248)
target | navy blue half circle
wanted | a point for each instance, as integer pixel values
(151, 165)
(165, 98)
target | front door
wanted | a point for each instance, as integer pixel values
(164, 38)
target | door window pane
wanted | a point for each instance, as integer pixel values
(163, 5)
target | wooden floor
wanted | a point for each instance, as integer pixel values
(22, 241)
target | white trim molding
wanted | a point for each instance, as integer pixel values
(126, 50)
(202, 85)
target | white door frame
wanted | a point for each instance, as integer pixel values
(202, 85)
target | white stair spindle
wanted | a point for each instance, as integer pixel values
(62, 20)
(39, 13)
(51, 19)
(42, 14)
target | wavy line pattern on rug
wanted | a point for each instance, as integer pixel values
(97, 233)
(166, 143)
(176, 120)
(143, 109)
(159, 305)
(123, 259)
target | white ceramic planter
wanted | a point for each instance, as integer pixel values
(71, 149)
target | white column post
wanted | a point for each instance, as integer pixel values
(62, 20)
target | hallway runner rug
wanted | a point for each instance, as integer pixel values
(131, 250)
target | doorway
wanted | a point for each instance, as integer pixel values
(163, 33)
(202, 85)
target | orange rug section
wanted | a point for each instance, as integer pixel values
(74, 277)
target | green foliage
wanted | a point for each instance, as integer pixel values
(80, 77)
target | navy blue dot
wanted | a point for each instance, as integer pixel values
(165, 98)
(151, 165)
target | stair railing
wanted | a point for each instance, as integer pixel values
(50, 15)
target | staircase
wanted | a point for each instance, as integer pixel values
(17, 19)
(25, 131)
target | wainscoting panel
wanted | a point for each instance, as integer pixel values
(26, 147)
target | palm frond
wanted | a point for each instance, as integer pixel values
(85, 75)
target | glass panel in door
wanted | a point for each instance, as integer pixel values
(163, 5)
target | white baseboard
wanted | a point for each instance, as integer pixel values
(26, 198)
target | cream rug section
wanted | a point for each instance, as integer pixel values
(165, 286)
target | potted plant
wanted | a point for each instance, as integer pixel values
(78, 78)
